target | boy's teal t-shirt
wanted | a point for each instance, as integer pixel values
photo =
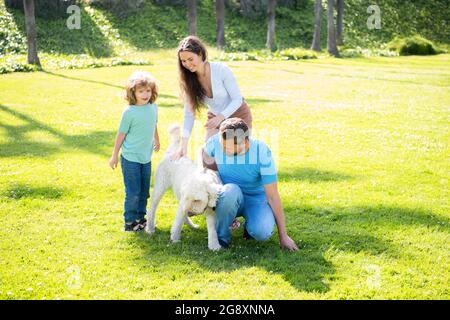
(250, 171)
(138, 123)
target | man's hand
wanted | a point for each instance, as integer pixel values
(287, 243)
(214, 122)
(113, 161)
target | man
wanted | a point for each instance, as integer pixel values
(248, 172)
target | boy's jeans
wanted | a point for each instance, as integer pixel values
(136, 178)
(258, 215)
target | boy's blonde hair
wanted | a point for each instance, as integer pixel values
(141, 79)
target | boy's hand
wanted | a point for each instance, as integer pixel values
(156, 146)
(113, 162)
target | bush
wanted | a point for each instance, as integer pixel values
(415, 45)
(16, 64)
(11, 38)
(359, 52)
(267, 55)
(298, 54)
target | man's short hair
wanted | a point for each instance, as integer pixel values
(234, 128)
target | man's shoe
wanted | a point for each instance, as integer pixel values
(247, 236)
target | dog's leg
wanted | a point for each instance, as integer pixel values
(159, 188)
(175, 231)
(213, 241)
(189, 222)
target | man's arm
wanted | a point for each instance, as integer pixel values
(274, 200)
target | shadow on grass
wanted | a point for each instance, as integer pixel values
(319, 232)
(311, 175)
(19, 191)
(164, 96)
(369, 78)
(253, 102)
(84, 80)
(97, 142)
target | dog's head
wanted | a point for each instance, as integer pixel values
(200, 191)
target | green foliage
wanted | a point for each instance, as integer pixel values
(359, 52)
(12, 40)
(16, 64)
(415, 45)
(160, 25)
(398, 18)
(46, 9)
(120, 8)
(298, 54)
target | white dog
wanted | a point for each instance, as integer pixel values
(197, 190)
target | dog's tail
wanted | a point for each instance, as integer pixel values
(174, 133)
(175, 138)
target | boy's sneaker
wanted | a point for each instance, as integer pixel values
(142, 223)
(137, 225)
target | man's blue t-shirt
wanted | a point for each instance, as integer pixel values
(250, 171)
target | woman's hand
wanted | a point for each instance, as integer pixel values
(214, 122)
(181, 152)
(287, 243)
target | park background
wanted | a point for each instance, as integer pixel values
(360, 131)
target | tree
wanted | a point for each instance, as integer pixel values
(30, 23)
(340, 14)
(220, 19)
(317, 24)
(192, 16)
(331, 41)
(270, 43)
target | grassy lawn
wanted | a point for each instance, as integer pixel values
(362, 148)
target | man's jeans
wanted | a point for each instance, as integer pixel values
(258, 215)
(136, 178)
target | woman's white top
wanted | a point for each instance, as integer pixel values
(226, 96)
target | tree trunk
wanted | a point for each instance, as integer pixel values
(339, 24)
(270, 43)
(192, 17)
(317, 25)
(30, 23)
(220, 19)
(331, 43)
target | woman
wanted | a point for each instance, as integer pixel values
(207, 83)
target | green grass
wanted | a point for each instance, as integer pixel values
(362, 147)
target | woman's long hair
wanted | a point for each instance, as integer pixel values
(191, 88)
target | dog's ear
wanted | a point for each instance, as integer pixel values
(186, 205)
(213, 190)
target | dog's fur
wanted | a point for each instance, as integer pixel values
(197, 190)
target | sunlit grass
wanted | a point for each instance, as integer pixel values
(362, 148)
